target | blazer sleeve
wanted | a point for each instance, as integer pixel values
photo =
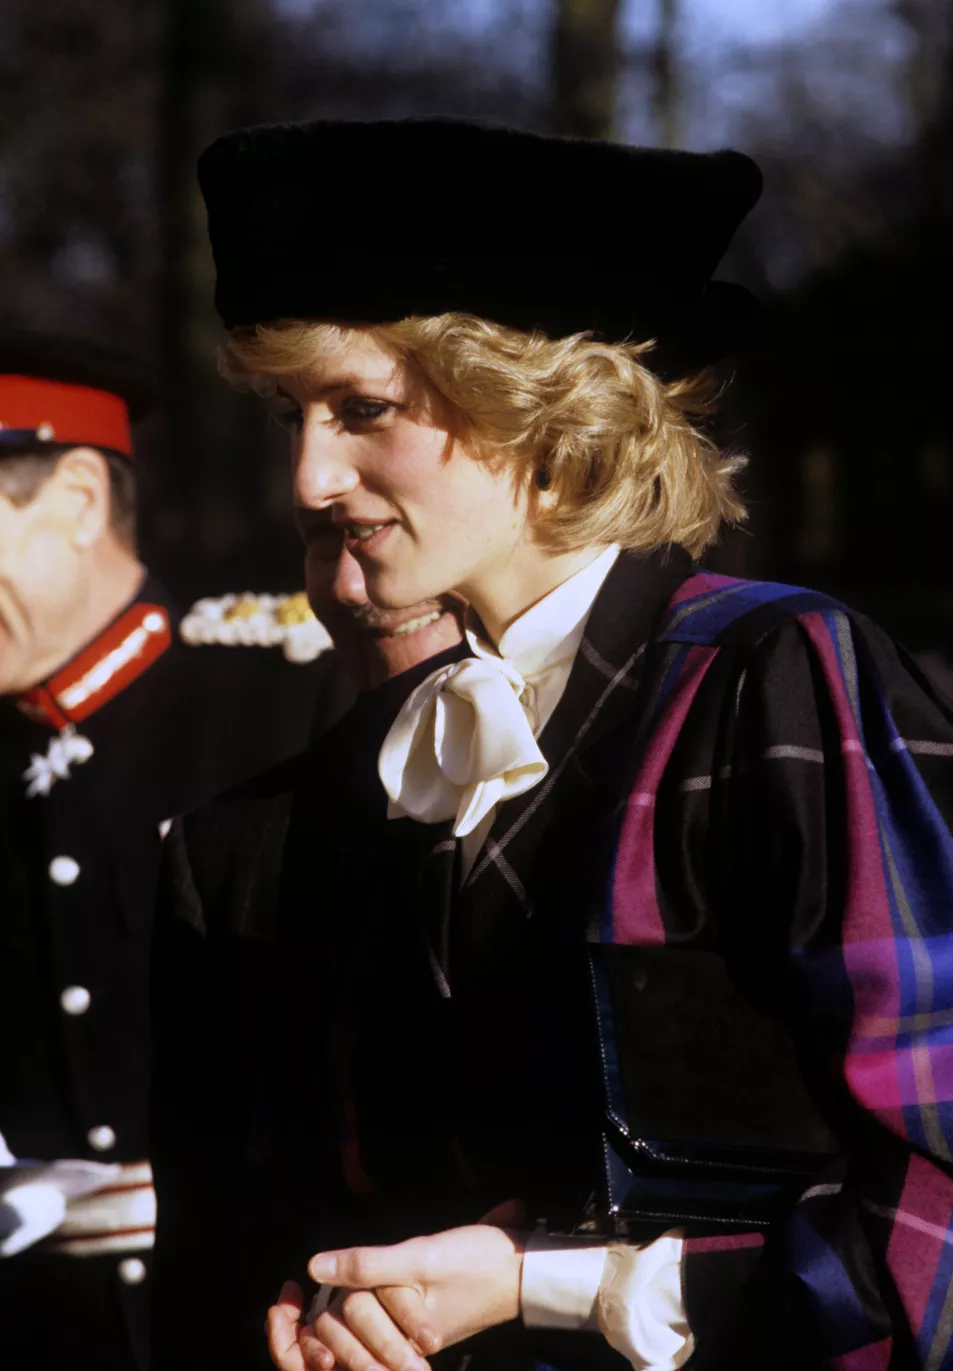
(212, 973)
(835, 830)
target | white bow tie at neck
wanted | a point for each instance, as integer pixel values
(462, 744)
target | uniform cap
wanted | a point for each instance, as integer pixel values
(63, 391)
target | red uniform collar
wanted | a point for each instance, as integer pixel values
(115, 659)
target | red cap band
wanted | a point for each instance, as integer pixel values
(77, 415)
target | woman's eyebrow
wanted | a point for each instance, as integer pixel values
(345, 382)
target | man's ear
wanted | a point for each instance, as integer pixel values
(79, 490)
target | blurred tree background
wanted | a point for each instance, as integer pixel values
(847, 105)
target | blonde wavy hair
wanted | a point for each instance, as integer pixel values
(627, 460)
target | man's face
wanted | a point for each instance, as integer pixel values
(40, 575)
(374, 644)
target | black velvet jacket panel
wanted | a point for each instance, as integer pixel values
(277, 901)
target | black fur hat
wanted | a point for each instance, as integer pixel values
(371, 222)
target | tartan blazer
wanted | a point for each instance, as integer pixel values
(779, 793)
(767, 791)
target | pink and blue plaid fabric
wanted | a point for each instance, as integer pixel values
(869, 1247)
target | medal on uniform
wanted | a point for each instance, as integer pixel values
(66, 750)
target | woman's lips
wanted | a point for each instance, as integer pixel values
(364, 538)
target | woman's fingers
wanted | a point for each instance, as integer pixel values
(314, 1355)
(363, 1337)
(291, 1299)
(366, 1268)
(282, 1327)
(358, 1316)
(408, 1310)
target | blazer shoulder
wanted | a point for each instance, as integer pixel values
(712, 610)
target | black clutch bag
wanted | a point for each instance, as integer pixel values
(706, 1118)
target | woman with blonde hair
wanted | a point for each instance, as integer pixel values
(672, 989)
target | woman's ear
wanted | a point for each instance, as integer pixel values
(543, 498)
(79, 490)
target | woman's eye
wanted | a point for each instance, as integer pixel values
(358, 411)
(288, 414)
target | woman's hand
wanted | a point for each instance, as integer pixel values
(356, 1332)
(396, 1302)
(294, 1346)
(284, 1326)
(430, 1292)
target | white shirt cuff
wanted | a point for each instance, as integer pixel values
(561, 1279)
(632, 1295)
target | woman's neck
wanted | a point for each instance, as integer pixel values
(507, 592)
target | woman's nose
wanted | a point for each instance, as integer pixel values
(322, 471)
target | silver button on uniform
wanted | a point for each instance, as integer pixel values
(75, 999)
(132, 1271)
(63, 870)
(101, 1138)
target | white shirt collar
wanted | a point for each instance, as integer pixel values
(548, 634)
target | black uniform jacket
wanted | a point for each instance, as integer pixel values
(410, 1052)
(78, 869)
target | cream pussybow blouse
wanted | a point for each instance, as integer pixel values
(465, 740)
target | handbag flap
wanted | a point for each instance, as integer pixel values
(703, 1095)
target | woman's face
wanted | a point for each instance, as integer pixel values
(419, 514)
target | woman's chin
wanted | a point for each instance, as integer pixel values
(389, 591)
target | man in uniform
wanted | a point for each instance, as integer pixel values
(111, 723)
